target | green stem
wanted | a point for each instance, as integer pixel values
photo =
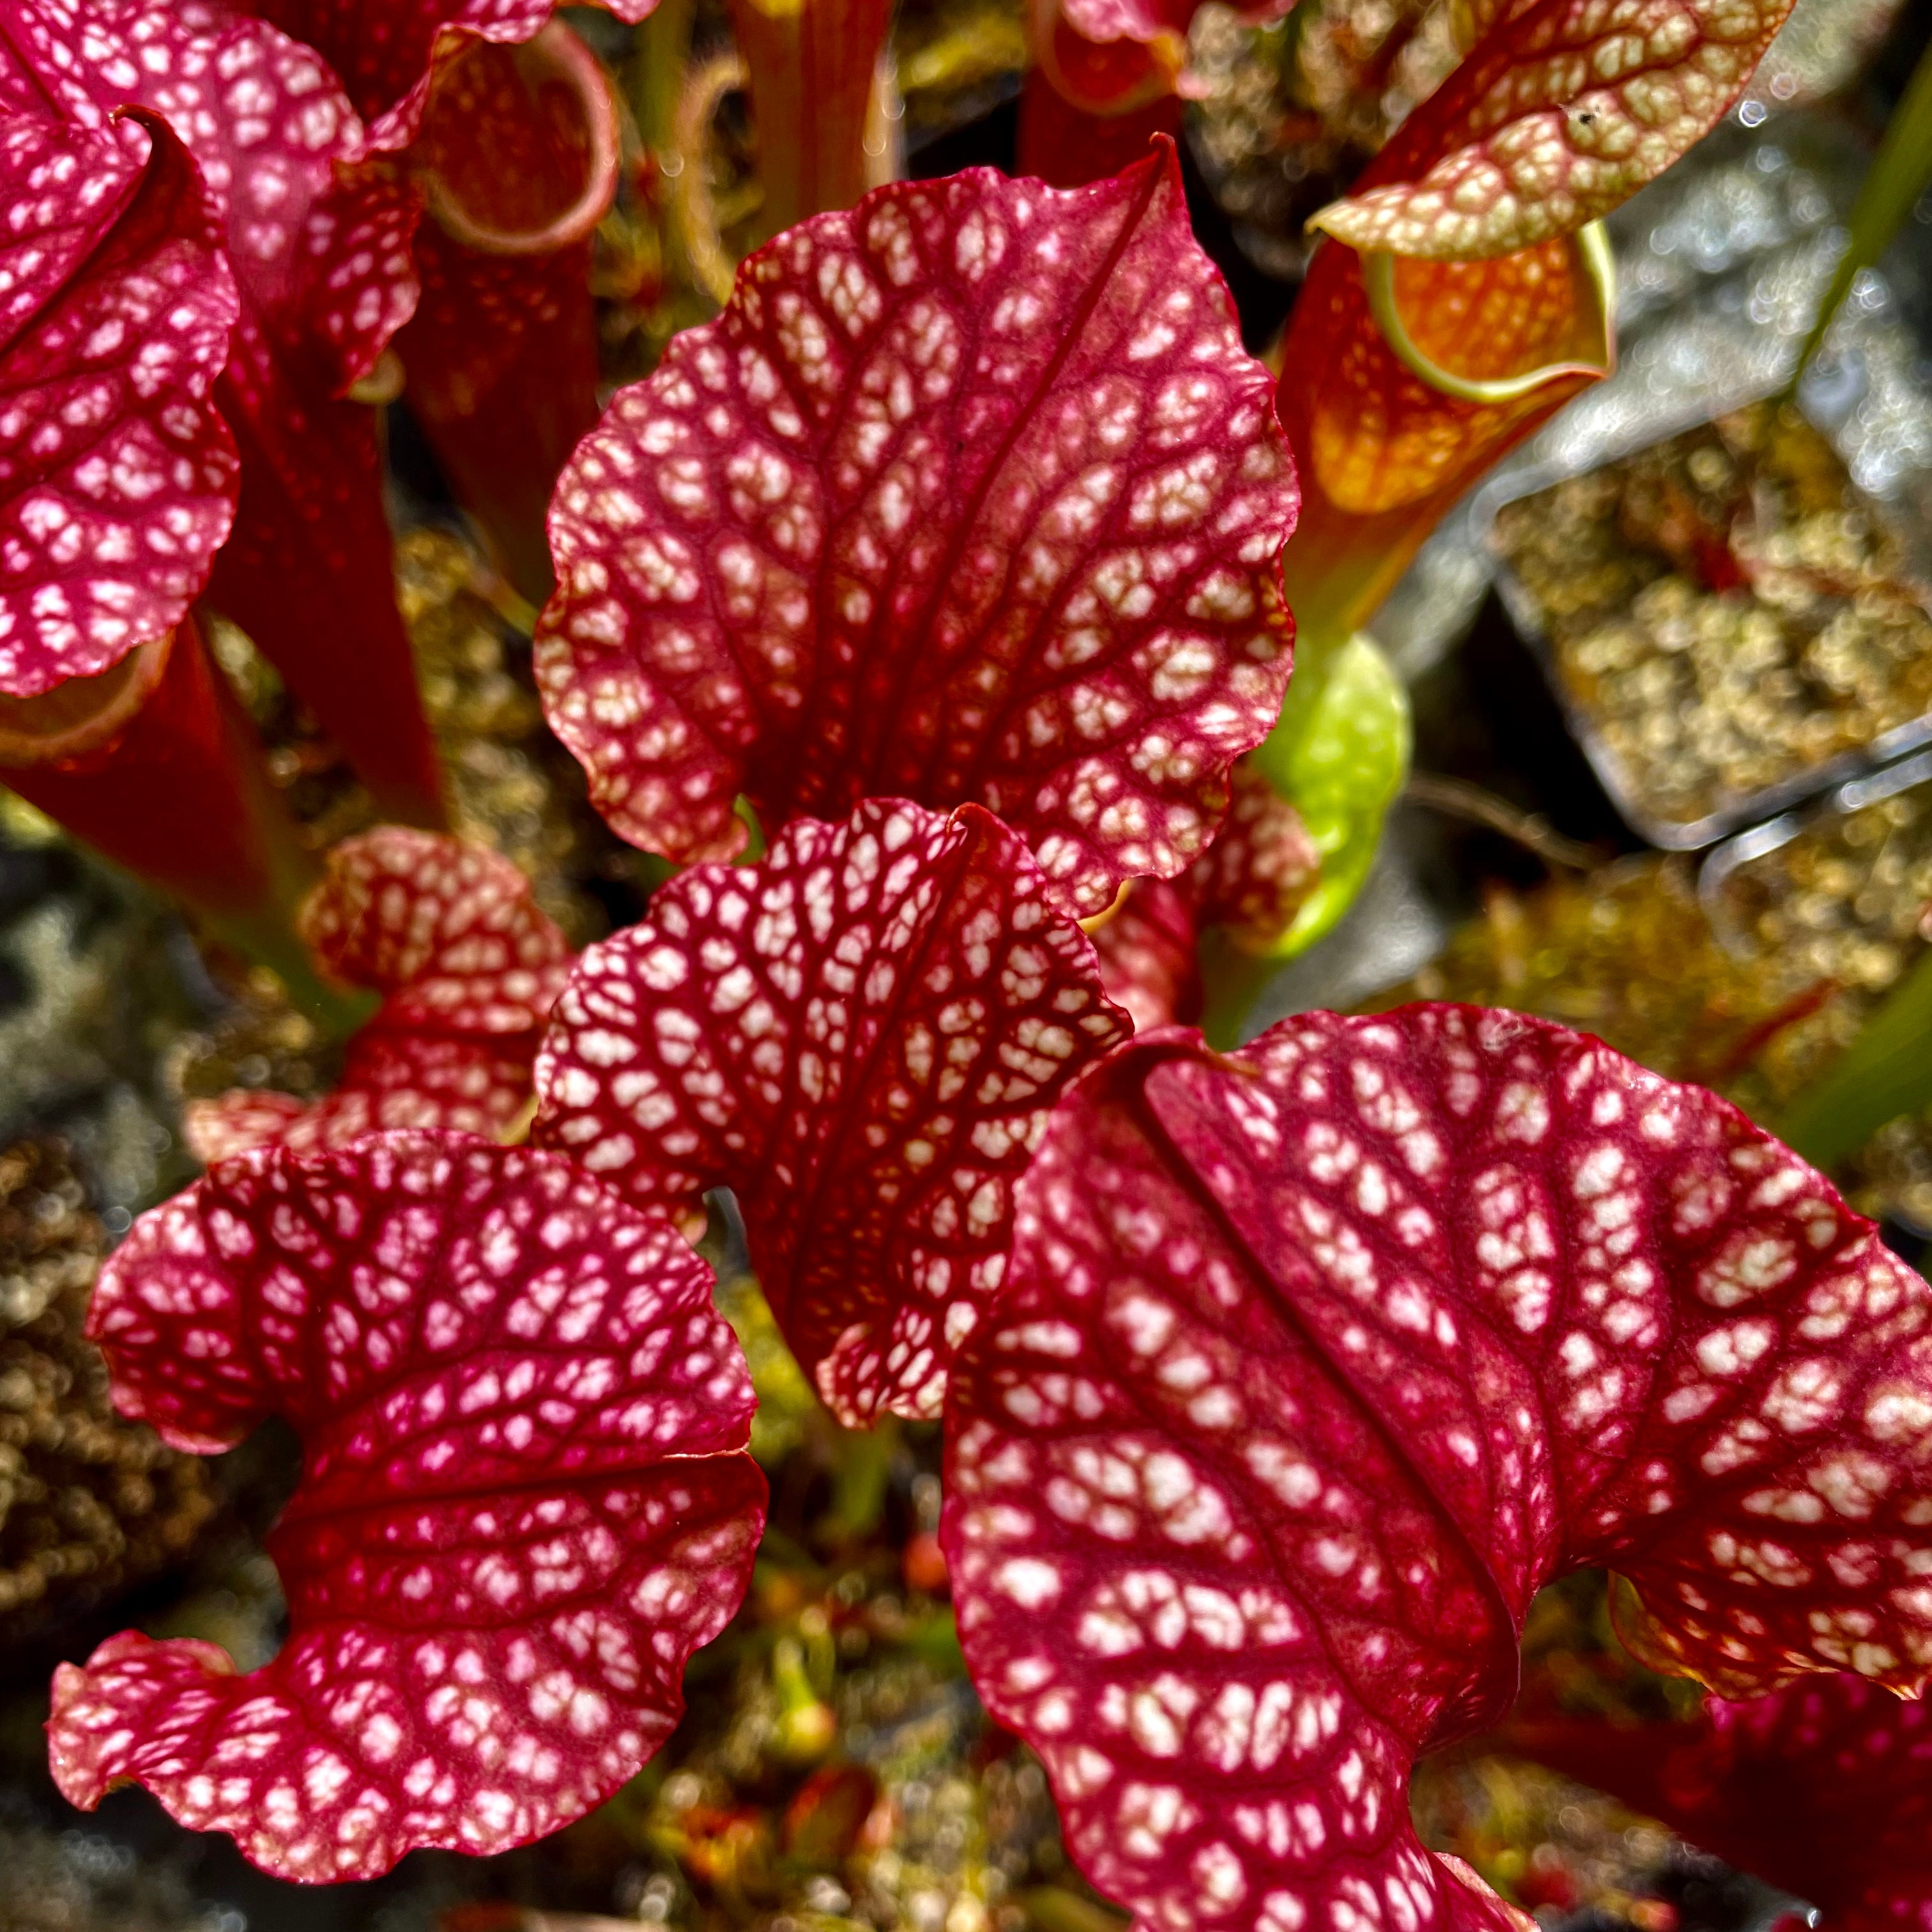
(663, 49)
(1885, 1072)
(1900, 173)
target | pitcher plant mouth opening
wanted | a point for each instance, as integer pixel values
(1405, 378)
(82, 714)
(552, 89)
(1104, 78)
(1394, 284)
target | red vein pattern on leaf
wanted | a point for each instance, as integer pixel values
(970, 495)
(117, 476)
(321, 259)
(524, 1500)
(1147, 961)
(1314, 1364)
(863, 1034)
(1824, 1788)
(469, 965)
(1560, 113)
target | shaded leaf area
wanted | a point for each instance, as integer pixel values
(1338, 756)
(1822, 1788)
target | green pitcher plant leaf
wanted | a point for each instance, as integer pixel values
(1340, 754)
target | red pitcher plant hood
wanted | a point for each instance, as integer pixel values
(970, 495)
(1315, 1362)
(117, 476)
(863, 1034)
(525, 1499)
(318, 236)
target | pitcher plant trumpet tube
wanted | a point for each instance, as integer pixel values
(152, 763)
(517, 161)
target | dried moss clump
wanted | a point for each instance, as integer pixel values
(88, 1503)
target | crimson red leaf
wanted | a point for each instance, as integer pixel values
(524, 1500)
(320, 255)
(1824, 1788)
(969, 494)
(322, 252)
(449, 930)
(469, 965)
(862, 1034)
(1561, 112)
(308, 573)
(1315, 1363)
(117, 478)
